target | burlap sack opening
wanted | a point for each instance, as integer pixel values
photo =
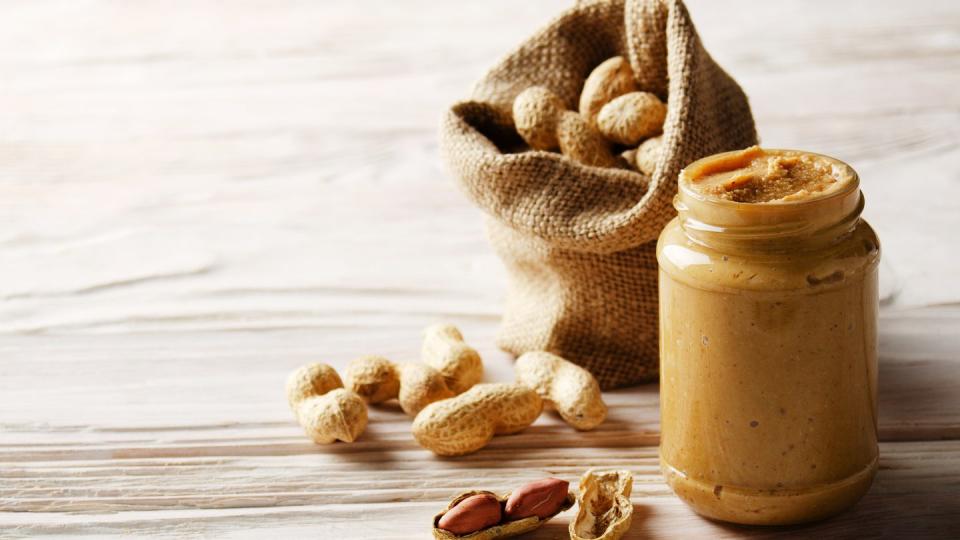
(579, 242)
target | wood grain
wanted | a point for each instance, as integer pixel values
(333, 493)
(196, 197)
(203, 427)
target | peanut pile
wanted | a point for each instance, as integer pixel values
(453, 413)
(614, 115)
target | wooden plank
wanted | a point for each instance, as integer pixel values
(203, 443)
(196, 198)
(233, 174)
(190, 385)
(337, 493)
(919, 373)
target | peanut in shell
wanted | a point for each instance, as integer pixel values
(582, 142)
(647, 154)
(536, 111)
(373, 378)
(610, 79)
(445, 350)
(564, 386)
(632, 117)
(466, 423)
(326, 411)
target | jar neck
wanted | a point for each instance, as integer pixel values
(769, 228)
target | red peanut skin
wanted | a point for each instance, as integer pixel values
(541, 498)
(472, 514)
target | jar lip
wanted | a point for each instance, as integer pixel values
(684, 184)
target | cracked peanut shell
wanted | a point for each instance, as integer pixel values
(605, 508)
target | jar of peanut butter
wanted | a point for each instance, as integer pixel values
(768, 338)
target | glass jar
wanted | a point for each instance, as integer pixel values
(768, 354)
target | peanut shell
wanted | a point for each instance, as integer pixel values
(466, 423)
(535, 114)
(326, 411)
(605, 508)
(373, 378)
(337, 415)
(564, 386)
(310, 380)
(445, 350)
(420, 385)
(647, 154)
(582, 142)
(631, 118)
(629, 157)
(610, 79)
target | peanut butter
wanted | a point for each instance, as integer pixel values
(768, 329)
(759, 176)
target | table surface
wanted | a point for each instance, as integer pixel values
(198, 197)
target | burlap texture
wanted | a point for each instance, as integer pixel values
(578, 241)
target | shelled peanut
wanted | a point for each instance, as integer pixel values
(482, 515)
(540, 498)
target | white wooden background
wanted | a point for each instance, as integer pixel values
(196, 197)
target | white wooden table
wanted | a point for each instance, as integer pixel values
(197, 197)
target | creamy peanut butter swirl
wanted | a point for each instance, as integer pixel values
(755, 175)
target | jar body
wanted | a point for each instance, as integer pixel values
(768, 393)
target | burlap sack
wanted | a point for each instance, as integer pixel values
(578, 241)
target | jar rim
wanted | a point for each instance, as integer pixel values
(684, 183)
(769, 226)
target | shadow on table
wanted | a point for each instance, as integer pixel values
(896, 507)
(919, 374)
(918, 399)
